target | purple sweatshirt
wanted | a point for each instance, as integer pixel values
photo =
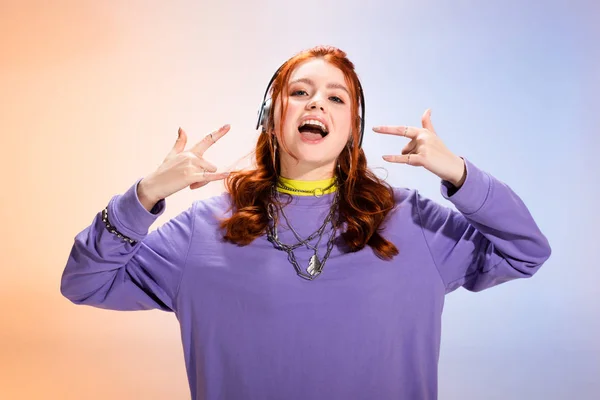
(252, 329)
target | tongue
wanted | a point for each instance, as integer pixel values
(310, 132)
(311, 135)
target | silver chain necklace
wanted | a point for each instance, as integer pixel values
(315, 265)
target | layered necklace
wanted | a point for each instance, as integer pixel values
(315, 264)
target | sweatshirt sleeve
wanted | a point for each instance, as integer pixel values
(491, 239)
(106, 271)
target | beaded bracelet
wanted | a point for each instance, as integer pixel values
(114, 230)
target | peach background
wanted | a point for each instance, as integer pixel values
(93, 93)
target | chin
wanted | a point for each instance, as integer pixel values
(314, 154)
(313, 159)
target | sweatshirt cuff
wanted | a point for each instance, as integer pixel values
(472, 194)
(127, 214)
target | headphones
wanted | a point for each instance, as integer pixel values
(263, 113)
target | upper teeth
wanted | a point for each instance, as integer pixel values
(314, 122)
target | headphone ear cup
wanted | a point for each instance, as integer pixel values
(361, 132)
(264, 117)
(361, 127)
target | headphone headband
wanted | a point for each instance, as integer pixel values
(263, 112)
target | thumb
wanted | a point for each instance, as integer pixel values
(180, 142)
(426, 120)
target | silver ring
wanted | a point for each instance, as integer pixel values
(408, 162)
(405, 131)
(211, 138)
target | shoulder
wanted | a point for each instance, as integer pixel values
(407, 199)
(404, 211)
(403, 195)
(411, 205)
(214, 207)
(206, 216)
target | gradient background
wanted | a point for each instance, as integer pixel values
(92, 94)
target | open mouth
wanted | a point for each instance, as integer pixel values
(313, 129)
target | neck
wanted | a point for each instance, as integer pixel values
(306, 181)
(303, 172)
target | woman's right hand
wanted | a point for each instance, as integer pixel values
(181, 169)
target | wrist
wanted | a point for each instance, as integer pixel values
(145, 197)
(461, 174)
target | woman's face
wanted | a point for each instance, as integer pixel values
(317, 92)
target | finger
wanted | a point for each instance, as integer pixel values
(426, 120)
(179, 143)
(181, 140)
(410, 147)
(214, 176)
(415, 159)
(402, 130)
(202, 164)
(204, 178)
(210, 139)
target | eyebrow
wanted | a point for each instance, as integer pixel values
(329, 85)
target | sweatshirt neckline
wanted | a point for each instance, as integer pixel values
(318, 185)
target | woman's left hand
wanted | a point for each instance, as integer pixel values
(427, 150)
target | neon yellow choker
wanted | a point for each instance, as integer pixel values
(312, 188)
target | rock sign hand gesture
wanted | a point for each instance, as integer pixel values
(182, 168)
(426, 150)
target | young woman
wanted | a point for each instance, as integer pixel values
(309, 278)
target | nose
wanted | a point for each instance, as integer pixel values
(316, 103)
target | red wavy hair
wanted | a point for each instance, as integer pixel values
(364, 201)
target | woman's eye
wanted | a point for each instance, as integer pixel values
(301, 92)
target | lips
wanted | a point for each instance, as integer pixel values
(315, 118)
(313, 130)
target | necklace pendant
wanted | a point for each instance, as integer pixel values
(314, 265)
